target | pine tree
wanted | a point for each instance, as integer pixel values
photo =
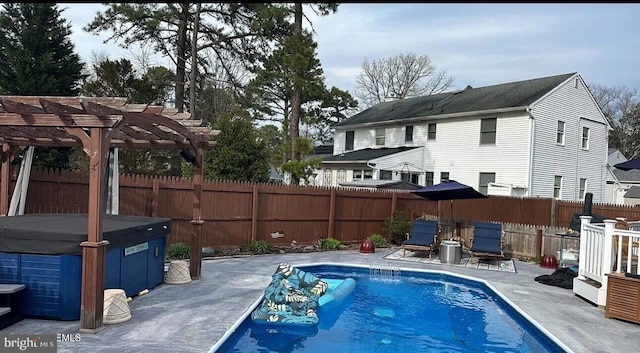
(38, 58)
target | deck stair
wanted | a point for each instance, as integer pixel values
(10, 304)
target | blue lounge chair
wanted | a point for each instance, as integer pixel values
(423, 237)
(487, 240)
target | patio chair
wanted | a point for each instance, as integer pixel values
(423, 237)
(487, 240)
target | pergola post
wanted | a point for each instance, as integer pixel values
(94, 249)
(195, 262)
(5, 178)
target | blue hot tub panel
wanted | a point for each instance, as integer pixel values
(53, 283)
(134, 261)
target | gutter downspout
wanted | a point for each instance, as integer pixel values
(376, 170)
(531, 147)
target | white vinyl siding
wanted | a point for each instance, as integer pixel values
(577, 109)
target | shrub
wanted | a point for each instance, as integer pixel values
(330, 244)
(260, 246)
(178, 251)
(397, 226)
(379, 240)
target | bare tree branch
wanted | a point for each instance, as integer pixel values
(401, 76)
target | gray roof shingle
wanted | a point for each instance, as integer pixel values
(633, 192)
(626, 175)
(507, 95)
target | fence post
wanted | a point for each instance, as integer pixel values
(538, 242)
(553, 219)
(607, 251)
(394, 200)
(584, 240)
(332, 211)
(155, 198)
(254, 213)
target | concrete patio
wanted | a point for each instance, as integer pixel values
(193, 317)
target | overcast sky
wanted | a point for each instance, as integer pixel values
(478, 44)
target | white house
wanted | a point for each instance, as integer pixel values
(622, 186)
(544, 137)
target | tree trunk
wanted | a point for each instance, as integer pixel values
(296, 99)
(194, 64)
(181, 57)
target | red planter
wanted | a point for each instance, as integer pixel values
(367, 246)
(549, 261)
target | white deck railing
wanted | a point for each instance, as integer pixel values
(605, 249)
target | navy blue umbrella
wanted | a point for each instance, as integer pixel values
(449, 190)
(628, 165)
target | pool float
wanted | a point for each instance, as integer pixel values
(337, 291)
(294, 296)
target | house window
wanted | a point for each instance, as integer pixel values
(428, 179)
(408, 133)
(488, 131)
(386, 175)
(326, 177)
(485, 179)
(585, 138)
(583, 188)
(431, 131)
(560, 134)
(362, 174)
(342, 176)
(348, 144)
(557, 186)
(380, 137)
(410, 177)
(444, 176)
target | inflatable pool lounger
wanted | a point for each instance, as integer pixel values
(294, 296)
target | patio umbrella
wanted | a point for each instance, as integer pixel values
(449, 190)
(629, 165)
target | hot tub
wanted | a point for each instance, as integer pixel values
(43, 252)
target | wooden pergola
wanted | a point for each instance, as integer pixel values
(95, 125)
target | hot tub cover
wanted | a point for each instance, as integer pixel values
(62, 233)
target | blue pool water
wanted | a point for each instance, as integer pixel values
(402, 311)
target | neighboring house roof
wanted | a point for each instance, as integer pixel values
(507, 95)
(366, 154)
(321, 152)
(626, 175)
(383, 184)
(633, 193)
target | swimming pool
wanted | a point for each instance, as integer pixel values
(398, 311)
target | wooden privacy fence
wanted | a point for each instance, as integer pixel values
(236, 213)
